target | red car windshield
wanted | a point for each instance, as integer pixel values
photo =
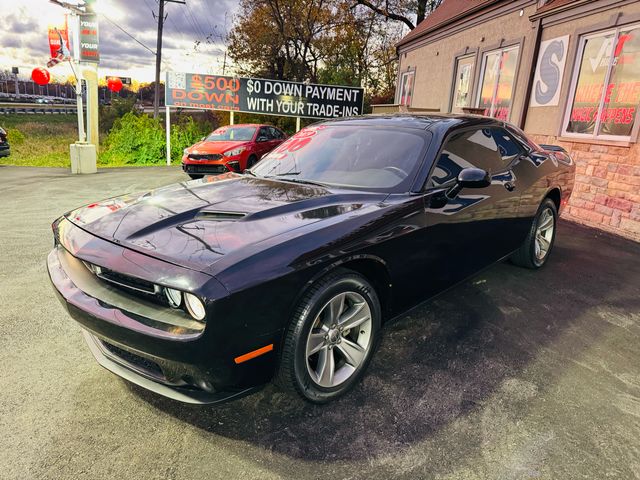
(361, 157)
(238, 134)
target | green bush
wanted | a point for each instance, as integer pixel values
(139, 139)
(184, 134)
(110, 113)
(135, 139)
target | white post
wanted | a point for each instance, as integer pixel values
(231, 117)
(297, 124)
(79, 105)
(75, 64)
(168, 129)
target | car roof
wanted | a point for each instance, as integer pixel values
(248, 125)
(430, 121)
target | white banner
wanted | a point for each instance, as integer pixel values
(547, 81)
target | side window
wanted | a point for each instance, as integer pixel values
(275, 133)
(264, 132)
(470, 148)
(507, 146)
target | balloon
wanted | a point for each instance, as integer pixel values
(114, 84)
(40, 76)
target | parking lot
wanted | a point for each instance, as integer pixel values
(513, 374)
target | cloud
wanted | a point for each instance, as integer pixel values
(190, 40)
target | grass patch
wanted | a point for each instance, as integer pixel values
(42, 140)
(39, 140)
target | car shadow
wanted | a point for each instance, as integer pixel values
(440, 362)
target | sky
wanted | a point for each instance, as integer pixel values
(24, 43)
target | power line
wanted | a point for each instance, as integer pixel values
(127, 33)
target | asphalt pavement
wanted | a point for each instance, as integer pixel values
(514, 374)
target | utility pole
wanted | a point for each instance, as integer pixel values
(161, 19)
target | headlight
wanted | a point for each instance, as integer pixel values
(174, 297)
(3, 131)
(194, 306)
(185, 151)
(234, 152)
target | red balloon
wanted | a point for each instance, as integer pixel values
(40, 76)
(114, 84)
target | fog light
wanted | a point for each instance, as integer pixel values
(174, 297)
(194, 306)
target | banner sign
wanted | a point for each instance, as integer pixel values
(547, 81)
(258, 95)
(89, 38)
(59, 42)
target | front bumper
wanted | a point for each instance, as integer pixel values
(205, 168)
(147, 378)
(176, 362)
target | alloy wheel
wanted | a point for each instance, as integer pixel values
(339, 339)
(544, 233)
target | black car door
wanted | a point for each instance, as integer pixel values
(457, 237)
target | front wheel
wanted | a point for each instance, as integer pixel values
(251, 161)
(331, 338)
(535, 250)
(195, 177)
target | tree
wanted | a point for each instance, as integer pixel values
(402, 10)
(283, 39)
(321, 41)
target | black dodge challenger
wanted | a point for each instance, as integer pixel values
(205, 290)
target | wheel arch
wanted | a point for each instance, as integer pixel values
(371, 267)
(555, 194)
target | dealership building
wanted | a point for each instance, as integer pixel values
(566, 71)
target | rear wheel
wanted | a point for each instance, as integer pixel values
(535, 250)
(332, 337)
(194, 176)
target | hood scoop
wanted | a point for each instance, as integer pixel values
(220, 216)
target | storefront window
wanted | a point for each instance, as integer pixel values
(462, 86)
(406, 88)
(497, 80)
(607, 85)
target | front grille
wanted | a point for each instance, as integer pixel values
(128, 284)
(205, 156)
(127, 281)
(148, 366)
(205, 169)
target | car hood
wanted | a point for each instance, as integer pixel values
(196, 223)
(215, 147)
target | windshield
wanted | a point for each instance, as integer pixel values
(350, 156)
(225, 134)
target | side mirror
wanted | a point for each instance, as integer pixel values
(469, 178)
(474, 178)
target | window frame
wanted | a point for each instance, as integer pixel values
(573, 86)
(483, 59)
(454, 80)
(427, 186)
(401, 86)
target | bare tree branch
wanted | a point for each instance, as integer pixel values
(386, 13)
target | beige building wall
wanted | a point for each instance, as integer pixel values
(434, 60)
(548, 120)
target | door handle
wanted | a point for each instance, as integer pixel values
(509, 186)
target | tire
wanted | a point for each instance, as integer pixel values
(535, 250)
(251, 161)
(195, 177)
(349, 350)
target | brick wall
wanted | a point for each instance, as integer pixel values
(607, 189)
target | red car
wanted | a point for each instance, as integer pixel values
(233, 148)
